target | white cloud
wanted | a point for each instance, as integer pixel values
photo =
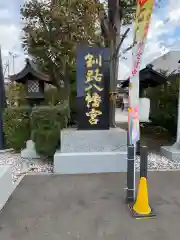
(10, 35)
(164, 21)
(10, 42)
(4, 14)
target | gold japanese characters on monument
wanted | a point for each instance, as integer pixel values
(93, 87)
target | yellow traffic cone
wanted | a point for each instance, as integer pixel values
(141, 208)
(141, 205)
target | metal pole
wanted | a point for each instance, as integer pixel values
(143, 161)
(2, 104)
(130, 194)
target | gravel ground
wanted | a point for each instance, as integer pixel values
(157, 162)
(21, 166)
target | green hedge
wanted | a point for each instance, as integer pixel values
(164, 102)
(46, 124)
(42, 124)
(17, 127)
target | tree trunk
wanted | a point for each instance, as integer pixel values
(114, 66)
(112, 88)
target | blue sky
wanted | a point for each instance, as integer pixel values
(164, 34)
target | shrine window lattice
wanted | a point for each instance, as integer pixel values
(33, 86)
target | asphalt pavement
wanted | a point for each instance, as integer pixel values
(89, 207)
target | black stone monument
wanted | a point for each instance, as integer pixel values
(93, 78)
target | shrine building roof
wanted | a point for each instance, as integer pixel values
(29, 69)
(148, 78)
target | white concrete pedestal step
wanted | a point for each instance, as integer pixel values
(171, 152)
(90, 162)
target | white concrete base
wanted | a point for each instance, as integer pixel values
(112, 140)
(95, 151)
(171, 152)
(29, 152)
(90, 162)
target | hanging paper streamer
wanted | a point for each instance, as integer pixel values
(143, 16)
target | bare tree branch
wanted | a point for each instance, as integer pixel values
(115, 55)
(128, 48)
